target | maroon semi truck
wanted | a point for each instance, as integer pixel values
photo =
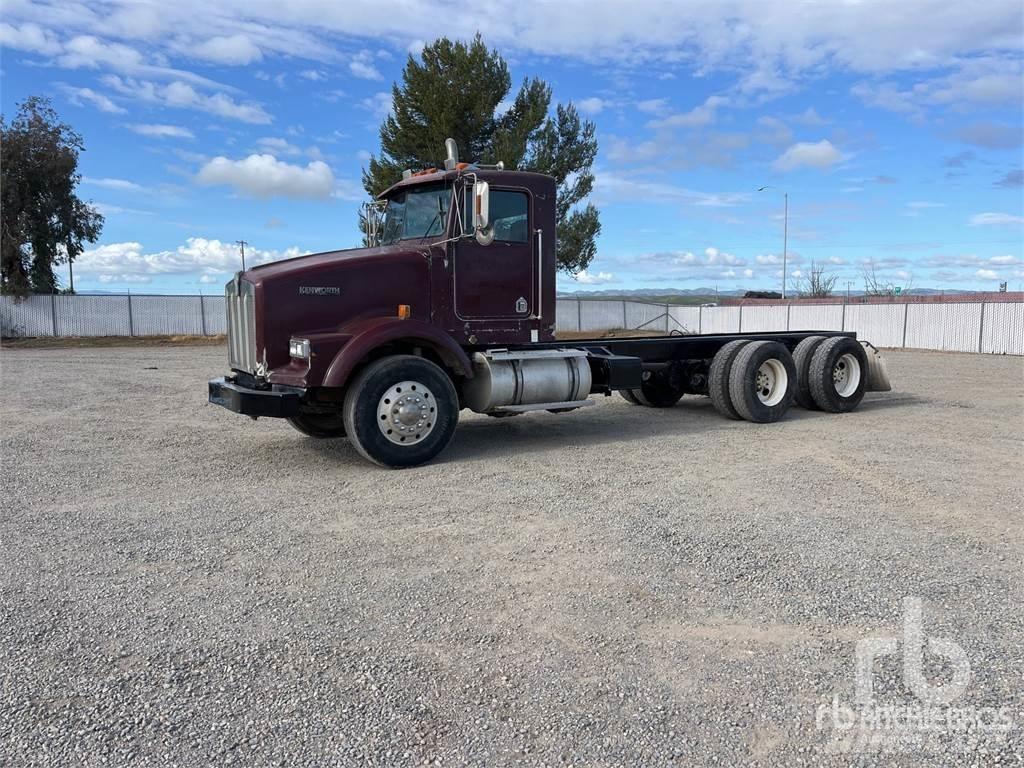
(453, 306)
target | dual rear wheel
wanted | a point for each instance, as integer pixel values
(759, 380)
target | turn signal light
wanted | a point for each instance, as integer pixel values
(404, 311)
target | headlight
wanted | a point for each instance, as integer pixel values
(299, 348)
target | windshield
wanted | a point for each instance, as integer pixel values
(415, 214)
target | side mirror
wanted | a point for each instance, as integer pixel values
(482, 213)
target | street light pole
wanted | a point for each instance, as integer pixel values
(785, 239)
(785, 231)
(241, 245)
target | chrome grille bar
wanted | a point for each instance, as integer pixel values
(240, 305)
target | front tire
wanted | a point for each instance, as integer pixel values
(322, 426)
(401, 411)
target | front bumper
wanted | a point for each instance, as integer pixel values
(276, 403)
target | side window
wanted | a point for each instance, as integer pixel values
(510, 215)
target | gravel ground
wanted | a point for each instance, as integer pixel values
(615, 586)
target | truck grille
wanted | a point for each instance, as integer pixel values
(240, 303)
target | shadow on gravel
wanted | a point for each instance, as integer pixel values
(482, 437)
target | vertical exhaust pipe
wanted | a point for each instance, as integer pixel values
(451, 154)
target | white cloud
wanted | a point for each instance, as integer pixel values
(128, 262)
(1003, 259)
(697, 117)
(768, 45)
(996, 219)
(805, 154)
(91, 52)
(265, 176)
(29, 37)
(278, 146)
(313, 74)
(611, 187)
(653, 106)
(122, 185)
(987, 274)
(587, 278)
(80, 97)
(161, 131)
(379, 104)
(184, 96)
(748, 273)
(362, 66)
(230, 49)
(591, 106)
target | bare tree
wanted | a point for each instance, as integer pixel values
(875, 284)
(816, 284)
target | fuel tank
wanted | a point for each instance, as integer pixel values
(522, 378)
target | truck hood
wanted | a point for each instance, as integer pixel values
(323, 291)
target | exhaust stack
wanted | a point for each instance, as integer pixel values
(451, 154)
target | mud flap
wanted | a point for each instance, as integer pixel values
(878, 373)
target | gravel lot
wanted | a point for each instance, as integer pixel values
(615, 586)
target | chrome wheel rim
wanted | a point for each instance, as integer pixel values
(771, 382)
(406, 413)
(846, 375)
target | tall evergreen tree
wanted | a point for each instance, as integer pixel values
(455, 90)
(44, 221)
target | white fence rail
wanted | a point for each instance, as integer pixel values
(992, 327)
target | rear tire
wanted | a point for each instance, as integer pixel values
(322, 426)
(629, 395)
(718, 378)
(802, 360)
(838, 374)
(762, 381)
(657, 393)
(401, 411)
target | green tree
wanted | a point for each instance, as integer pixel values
(455, 91)
(44, 222)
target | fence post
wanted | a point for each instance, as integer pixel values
(700, 318)
(666, 318)
(131, 320)
(624, 326)
(202, 312)
(788, 307)
(981, 327)
(906, 307)
(842, 323)
(53, 313)
(579, 314)
(740, 330)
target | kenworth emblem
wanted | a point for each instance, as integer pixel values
(319, 290)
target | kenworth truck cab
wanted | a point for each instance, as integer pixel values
(453, 306)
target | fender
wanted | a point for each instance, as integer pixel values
(369, 333)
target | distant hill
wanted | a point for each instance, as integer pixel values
(693, 296)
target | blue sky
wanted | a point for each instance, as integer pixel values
(896, 129)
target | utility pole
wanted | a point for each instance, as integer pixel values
(71, 273)
(241, 245)
(849, 284)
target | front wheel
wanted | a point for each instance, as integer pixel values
(401, 411)
(319, 425)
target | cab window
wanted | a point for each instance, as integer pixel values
(510, 215)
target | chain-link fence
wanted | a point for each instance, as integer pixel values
(993, 327)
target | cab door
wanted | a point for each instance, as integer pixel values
(497, 281)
